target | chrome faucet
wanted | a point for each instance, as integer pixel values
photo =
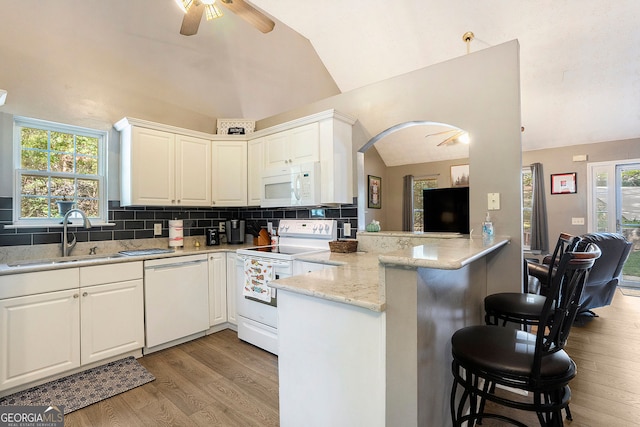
(66, 246)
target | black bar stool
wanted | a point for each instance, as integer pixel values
(485, 356)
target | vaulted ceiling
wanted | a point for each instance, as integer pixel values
(103, 59)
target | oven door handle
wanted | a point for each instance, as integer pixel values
(273, 261)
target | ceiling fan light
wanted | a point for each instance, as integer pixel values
(184, 5)
(211, 11)
(464, 138)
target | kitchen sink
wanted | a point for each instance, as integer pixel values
(57, 261)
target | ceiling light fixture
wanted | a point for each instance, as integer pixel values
(458, 136)
(467, 38)
(211, 11)
(184, 5)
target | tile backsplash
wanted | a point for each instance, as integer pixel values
(138, 222)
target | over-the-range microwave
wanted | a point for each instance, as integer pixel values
(295, 185)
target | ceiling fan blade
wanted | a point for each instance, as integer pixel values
(451, 139)
(250, 14)
(192, 19)
(440, 133)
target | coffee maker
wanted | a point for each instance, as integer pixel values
(212, 236)
(235, 231)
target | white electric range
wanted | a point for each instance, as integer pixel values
(256, 302)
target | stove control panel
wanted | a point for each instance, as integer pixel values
(322, 228)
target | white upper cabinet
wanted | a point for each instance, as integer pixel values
(152, 168)
(292, 146)
(163, 165)
(255, 166)
(229, 173)
(193, 171)
(163, 168)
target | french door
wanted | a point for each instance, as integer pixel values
(614, 206)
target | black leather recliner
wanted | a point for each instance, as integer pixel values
(605, 274)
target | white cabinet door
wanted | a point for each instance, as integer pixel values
(152, 166)
(304, 144)
(229, 173)
(232, 283)
(39, 336)
(161, 168)
(276, 150)
(255, 165)
(293, 146)
(112, 319)
(217, 288)
(193, 171)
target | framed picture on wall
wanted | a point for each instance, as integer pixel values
(460, 176)
(564, 183)
(375, 192)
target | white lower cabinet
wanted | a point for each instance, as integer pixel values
(232, 283)
(39, 336)
(97, 314)
(217, 288)
(111, 310)
(112, 320)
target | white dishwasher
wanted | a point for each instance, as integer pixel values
(176, 299)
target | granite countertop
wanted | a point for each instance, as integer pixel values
(443, 254)
(355, 281)
(359, 277)
(31, 265)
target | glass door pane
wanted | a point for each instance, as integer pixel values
(628, 217)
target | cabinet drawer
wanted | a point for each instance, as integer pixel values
(110, 273)
(38, 282)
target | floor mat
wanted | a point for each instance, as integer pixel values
(84, 388)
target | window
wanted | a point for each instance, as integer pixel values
(56, 162)
(419, 185)
(527, 205)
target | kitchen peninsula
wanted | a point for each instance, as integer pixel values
(367, 343)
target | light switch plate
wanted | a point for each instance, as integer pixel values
(157, 229)
(493, 201)
(577, 221)
(347, 229)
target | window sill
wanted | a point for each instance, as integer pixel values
(56, 225)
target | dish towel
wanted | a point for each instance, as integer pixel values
(257, 275)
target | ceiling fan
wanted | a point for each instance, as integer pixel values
(457, 136)
(194, 9)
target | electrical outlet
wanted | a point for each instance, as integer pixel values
(577, 221)
(493, 201)
(347, 229)
(157, 229)
(221, 226)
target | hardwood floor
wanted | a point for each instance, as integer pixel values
(217, 380)
(606, 390)
(221, 381)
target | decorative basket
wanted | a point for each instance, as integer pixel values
(343, 246)
(223, 125)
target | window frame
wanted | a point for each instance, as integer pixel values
(415, 209)
(101, 175)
